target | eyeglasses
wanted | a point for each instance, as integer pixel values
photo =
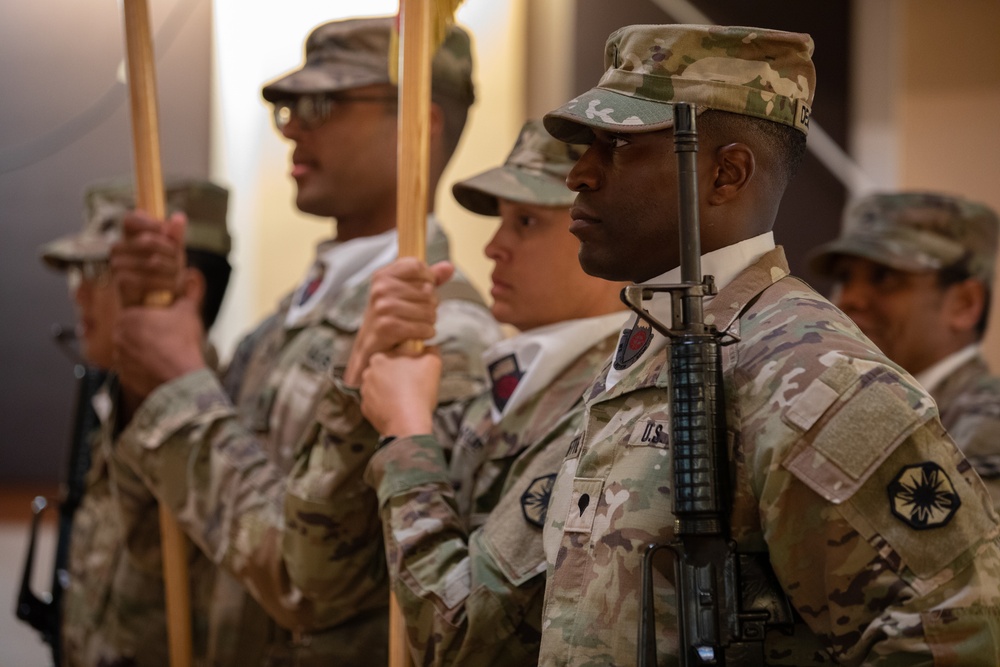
(314, 110)
(96, 273)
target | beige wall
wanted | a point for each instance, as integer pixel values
(949, 106)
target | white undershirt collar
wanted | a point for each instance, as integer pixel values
(638, 343)
(930, 378)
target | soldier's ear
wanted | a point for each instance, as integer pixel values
(964, 304)
(732, 169)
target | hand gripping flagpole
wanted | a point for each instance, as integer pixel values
(422, 27)
(150, 198)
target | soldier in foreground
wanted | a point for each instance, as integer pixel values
(463, 501)
(273, 451)
(842, 479)
(914, 270)
(113, 610)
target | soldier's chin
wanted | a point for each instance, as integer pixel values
(312, 205)
(600, 264)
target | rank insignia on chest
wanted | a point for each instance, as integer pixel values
(923, 497)
(504, 376)
(535, 501)
(632, 343)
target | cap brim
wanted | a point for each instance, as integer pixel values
(890, 252)
(603, 109)
(319, 79)
(67, 250)
(480, 193)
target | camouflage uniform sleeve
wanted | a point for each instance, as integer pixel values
(468, 597)
(334, 537)
(988, 468)
(978, 436)
(978, 432)
(189, 447)
(878, 529)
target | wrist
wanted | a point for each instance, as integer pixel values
(407, 428)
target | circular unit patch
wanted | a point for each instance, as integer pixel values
(923, 497)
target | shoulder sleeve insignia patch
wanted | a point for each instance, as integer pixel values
(504, 376)
(923, 497)
(535, 500)
(632, 343)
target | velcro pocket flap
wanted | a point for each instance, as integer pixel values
(850, 422)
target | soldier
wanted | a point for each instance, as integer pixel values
(914, 270)
(843, 479)
(463, 504)
(113, 608)
(273, 450)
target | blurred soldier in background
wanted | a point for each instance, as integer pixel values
(915, 271)
(113, 609)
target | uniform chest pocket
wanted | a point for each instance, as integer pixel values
(292, 409)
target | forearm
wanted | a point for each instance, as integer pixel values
(192, 451)
(449, 583)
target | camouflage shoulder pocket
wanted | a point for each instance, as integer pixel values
(849, 423)
(896, 497)
(923, 506)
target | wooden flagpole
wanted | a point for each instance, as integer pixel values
(413, 166)
(150, 198)
(416, 51)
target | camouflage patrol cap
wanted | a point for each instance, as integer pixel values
(341, 55)
(534, 173)
(755, 72)
(105, 205)
(915, 231)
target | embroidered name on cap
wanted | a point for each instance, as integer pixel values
(923, 497)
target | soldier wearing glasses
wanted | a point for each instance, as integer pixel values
(275, 446)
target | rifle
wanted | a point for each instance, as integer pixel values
(725, 600)
(44, 612)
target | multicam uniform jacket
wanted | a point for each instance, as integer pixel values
(969, 402)
(464, 535)
(94, 549)
(880, 534)
(272, 456)
(114, 609)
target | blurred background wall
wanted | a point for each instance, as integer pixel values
(909, 88)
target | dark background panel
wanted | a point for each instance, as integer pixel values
(810, 211)
(66, 125)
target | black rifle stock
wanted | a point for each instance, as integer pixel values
(724, 599)
(44, 612)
